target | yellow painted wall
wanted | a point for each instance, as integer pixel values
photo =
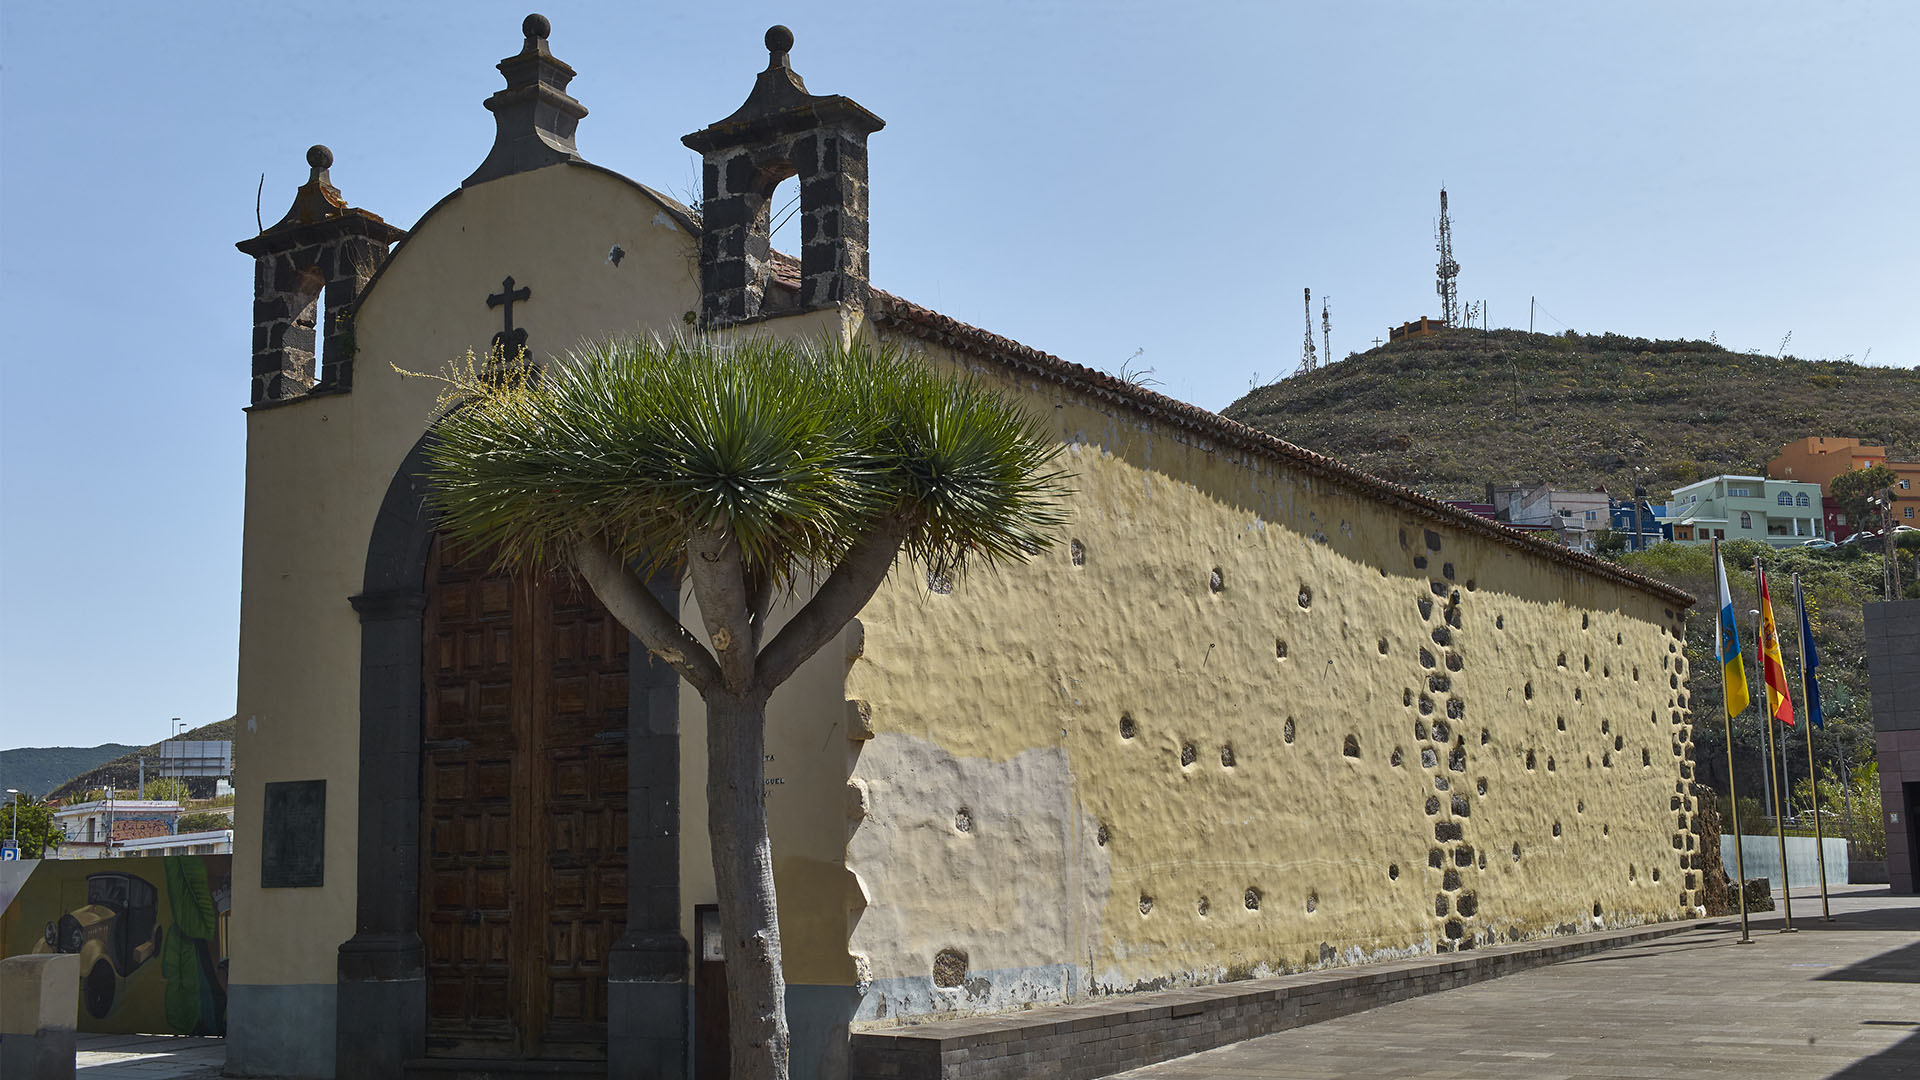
(1086, 855)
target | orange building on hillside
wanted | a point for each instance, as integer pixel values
(1906, 492)
(1819, 459)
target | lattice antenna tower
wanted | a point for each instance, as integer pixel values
(1308, 361)
(1326, 331)
(1449, 270)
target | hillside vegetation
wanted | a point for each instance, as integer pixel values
(123, 772)
(37, 770)
(1449, 413)
(1836, 584)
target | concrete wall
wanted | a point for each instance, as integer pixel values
(1762, 855)
(1245, 721)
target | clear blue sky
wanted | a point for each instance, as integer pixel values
(1089, 178)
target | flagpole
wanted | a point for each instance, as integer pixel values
(1766, 723)
(1733, 791)
(1813, 778)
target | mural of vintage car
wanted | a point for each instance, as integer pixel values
(115, 932)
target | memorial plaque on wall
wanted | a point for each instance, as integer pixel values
(293, 835)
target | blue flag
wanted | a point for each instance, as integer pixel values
(1809, 659)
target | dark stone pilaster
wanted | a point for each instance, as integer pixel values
(734, 239)
(647, 968)
(833, 219)
(382, 1012)
(382, 994)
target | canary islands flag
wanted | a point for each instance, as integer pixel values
(1773, 668)
(1726, 644)
(1809, 659)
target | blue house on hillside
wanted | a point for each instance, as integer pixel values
(1651, 530)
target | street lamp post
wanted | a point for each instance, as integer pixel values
(1883, 501)
(15, 792)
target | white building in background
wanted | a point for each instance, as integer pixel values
(1783, 513)
(1574, 516)
(97, 829)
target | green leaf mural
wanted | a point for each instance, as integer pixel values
(192, 900)
(180, 963)
(185, 958)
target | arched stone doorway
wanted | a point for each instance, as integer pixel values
(385, 1014)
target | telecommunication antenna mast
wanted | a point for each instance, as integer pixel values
(1326, 331)
(1444, 283)
(1308, 361)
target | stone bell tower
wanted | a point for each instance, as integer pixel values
(313, 262)
(783, 131)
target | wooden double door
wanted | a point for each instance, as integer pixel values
(524, 818)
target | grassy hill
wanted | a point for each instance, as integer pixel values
(123, 772)
(37, 770)
(1447, 414)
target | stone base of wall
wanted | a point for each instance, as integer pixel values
(1078, 1042)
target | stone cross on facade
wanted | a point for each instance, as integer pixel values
(510, 343)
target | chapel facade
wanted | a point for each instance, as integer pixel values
(1257, 712)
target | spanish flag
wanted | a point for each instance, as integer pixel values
(1774, 670)
(1726, 644)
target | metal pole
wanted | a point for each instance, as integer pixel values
(1893, 555)
(1766, 723)
(1766, 770)
(1733, 791)
(1813, 778)
(1766, 756)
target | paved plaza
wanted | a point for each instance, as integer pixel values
(1837, 999)
(149, 1057)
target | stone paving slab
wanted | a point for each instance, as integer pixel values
(1836, 999)
(148, 1057)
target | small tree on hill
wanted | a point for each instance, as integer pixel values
(753, 471)
(35, 828)
(204, 822)
(1850, 490)
(168, 787)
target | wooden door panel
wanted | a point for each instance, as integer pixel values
(468, 811)
(524, 822)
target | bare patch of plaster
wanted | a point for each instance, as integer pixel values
(1019, 894)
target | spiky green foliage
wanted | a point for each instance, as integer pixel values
(795, 450)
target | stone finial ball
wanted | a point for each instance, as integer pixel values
(779, 39)
(536, 26)
(319, 157)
